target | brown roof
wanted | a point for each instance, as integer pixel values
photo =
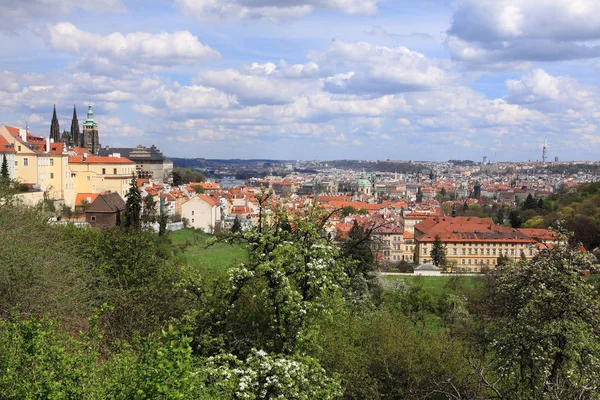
(106, 203)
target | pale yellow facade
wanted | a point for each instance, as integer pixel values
(47, 171)
(97, 175)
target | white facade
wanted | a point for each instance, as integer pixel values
(201, 213)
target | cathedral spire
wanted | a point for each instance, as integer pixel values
(75, 134)
(54, 127)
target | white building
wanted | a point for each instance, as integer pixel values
(202, 212)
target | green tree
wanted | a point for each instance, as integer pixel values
(198, 189)
(348, 210)
(438, 252)
(149, 213)
(540, 321)
(515, 218)
(4, 177)
(133, 207)
(286, 285)
(177, 180)
(530, 203)
(237, 225)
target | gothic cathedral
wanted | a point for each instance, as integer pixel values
(88, 139)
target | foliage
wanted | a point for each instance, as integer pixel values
(187, 175)
(237, 225)
(134, 272)
(149, 212)
(348, 210)
(265, 376)
(438, 252)
(290, 275)
(4, 177)
(36, 362)
(540, 321)
(40, 268)
(133, 207)
(198, 189)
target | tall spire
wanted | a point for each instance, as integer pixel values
(54, 127)
(75, 134)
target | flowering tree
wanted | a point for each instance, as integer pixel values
(541, 319)
(291, 273)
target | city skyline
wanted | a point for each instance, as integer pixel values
(312, 79)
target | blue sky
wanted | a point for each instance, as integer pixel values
(311, 79)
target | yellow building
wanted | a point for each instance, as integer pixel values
(95, 174)
(474, 243)
(41, 164)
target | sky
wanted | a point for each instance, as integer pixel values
(311, 79)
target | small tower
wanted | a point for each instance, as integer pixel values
(90, 133)
(54, 127)
(75, 134)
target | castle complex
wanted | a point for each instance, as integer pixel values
(88, 139)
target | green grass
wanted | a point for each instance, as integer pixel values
(218, 257)
(436, 285)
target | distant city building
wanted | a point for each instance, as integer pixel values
(150, 162)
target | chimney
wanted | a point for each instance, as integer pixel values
(107, 147)
(47, 145)
(23, 134)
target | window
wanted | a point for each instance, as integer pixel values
(25, 162)
(16, 163)
(464, 251)
(115, 170)
(51, 161)
(192, 220)
(103, 171)
(488, 252)
(192, 212)
(19, 148)
(51, 175)
(88, 178)
(93, 218)
(454, 251)
(463, 260)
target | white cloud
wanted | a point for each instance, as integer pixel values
(500, 31)
(381, 69)
(162, 49)
(270, 10)
(545, 92)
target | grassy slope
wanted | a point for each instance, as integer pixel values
(219, 256)
(435, 285)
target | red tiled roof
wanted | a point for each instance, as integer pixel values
(210, 200)
(6, 147)
(81, 197)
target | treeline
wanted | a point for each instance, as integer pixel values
(86, 314)
(186, 175)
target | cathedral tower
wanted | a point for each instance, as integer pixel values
(55, 128)
(75, 135)
(90, 133)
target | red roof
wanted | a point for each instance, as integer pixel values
(6, 147)
(81, 197)
(210, 200)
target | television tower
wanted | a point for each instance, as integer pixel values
(545, 151)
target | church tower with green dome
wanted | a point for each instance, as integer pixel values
(89, 139)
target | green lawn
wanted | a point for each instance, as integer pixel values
(436, 285)
(219, 256)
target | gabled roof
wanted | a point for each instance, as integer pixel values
(81, 197)
(6, 147)
(107, 203)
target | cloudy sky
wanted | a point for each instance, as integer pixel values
(311, 79)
